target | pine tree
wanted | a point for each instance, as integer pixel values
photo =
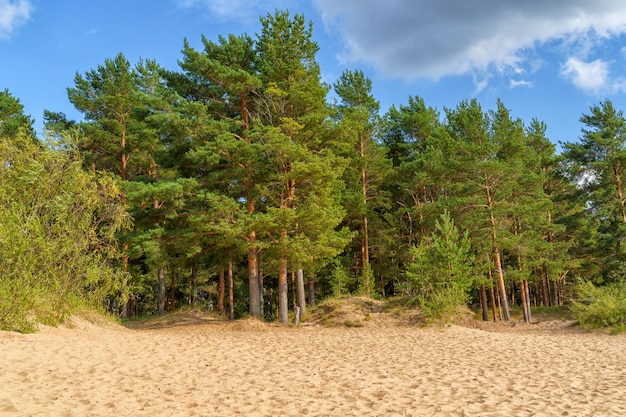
(359, 124)
(417, 147)
(220, 84)
(486, 168)
(597, 164)
(302, 188)
(442, 272)
(13, 121)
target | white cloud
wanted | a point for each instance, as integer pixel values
(234, 10)
(591, 77)
(12, 15)
(481, 81)
(520, 83)
(427, 39)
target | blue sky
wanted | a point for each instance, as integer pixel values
(545, 59)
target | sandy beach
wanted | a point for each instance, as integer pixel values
(196, 366)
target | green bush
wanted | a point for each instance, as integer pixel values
(601, 307)
(441, 274)
(57, 247)
(442, 303)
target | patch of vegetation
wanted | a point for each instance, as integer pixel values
(441, 273)
(366, 312)
(601, 307)
(57, 244)
(346, 311)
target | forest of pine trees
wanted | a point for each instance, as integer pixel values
(235, 184)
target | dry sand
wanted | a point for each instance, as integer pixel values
(194, 366)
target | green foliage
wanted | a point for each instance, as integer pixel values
(239, 154)
(599, 307)
(366, 281)
(441, 274)
(597, 165)
(57, 243)
(341, 281)
(13, 121)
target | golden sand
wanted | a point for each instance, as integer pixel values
(206, 367)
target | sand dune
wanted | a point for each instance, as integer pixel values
(199, 367)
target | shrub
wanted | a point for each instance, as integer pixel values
(57, 232)
(441, 275)
(601, 307)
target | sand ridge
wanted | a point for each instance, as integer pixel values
(207, 367)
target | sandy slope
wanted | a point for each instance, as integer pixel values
(199, 367)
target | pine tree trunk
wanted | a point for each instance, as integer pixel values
(300, 292)
(526, 291)
(545, 293)
(260, 279)
(253, 279)
(231, 292)
(130, 309)
(192, 286)
(483, 303)
(365, 271)
(294, 296)
(496, 256)
(161, 296)
(172, 290)
(220, 293)
(512, 292)
(555, 293)
(501, 285)
(283, 295)
(365, 245)
(311, 290)
(524, 302)
(125, 269)
(492, 295)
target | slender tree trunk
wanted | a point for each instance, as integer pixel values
(512, 292)
(125, 308)
(524, 293)
(524, 302)
(129, 309)
(365, 259)
(221, 289)
(192, 286)
(300, 292)
(483, 303)
(253, 279)
(311, 289)
(501, 285)
(294, 295)
(492, 294)
(365, 245)
(172, 290)
(526, 298)
(161, 296)
(260, 279)
(545, 293)
(496, 256)
(231, 292)
(283, 295)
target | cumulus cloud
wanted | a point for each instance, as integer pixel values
(432, 39)
(13, 14)
(591, 77)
